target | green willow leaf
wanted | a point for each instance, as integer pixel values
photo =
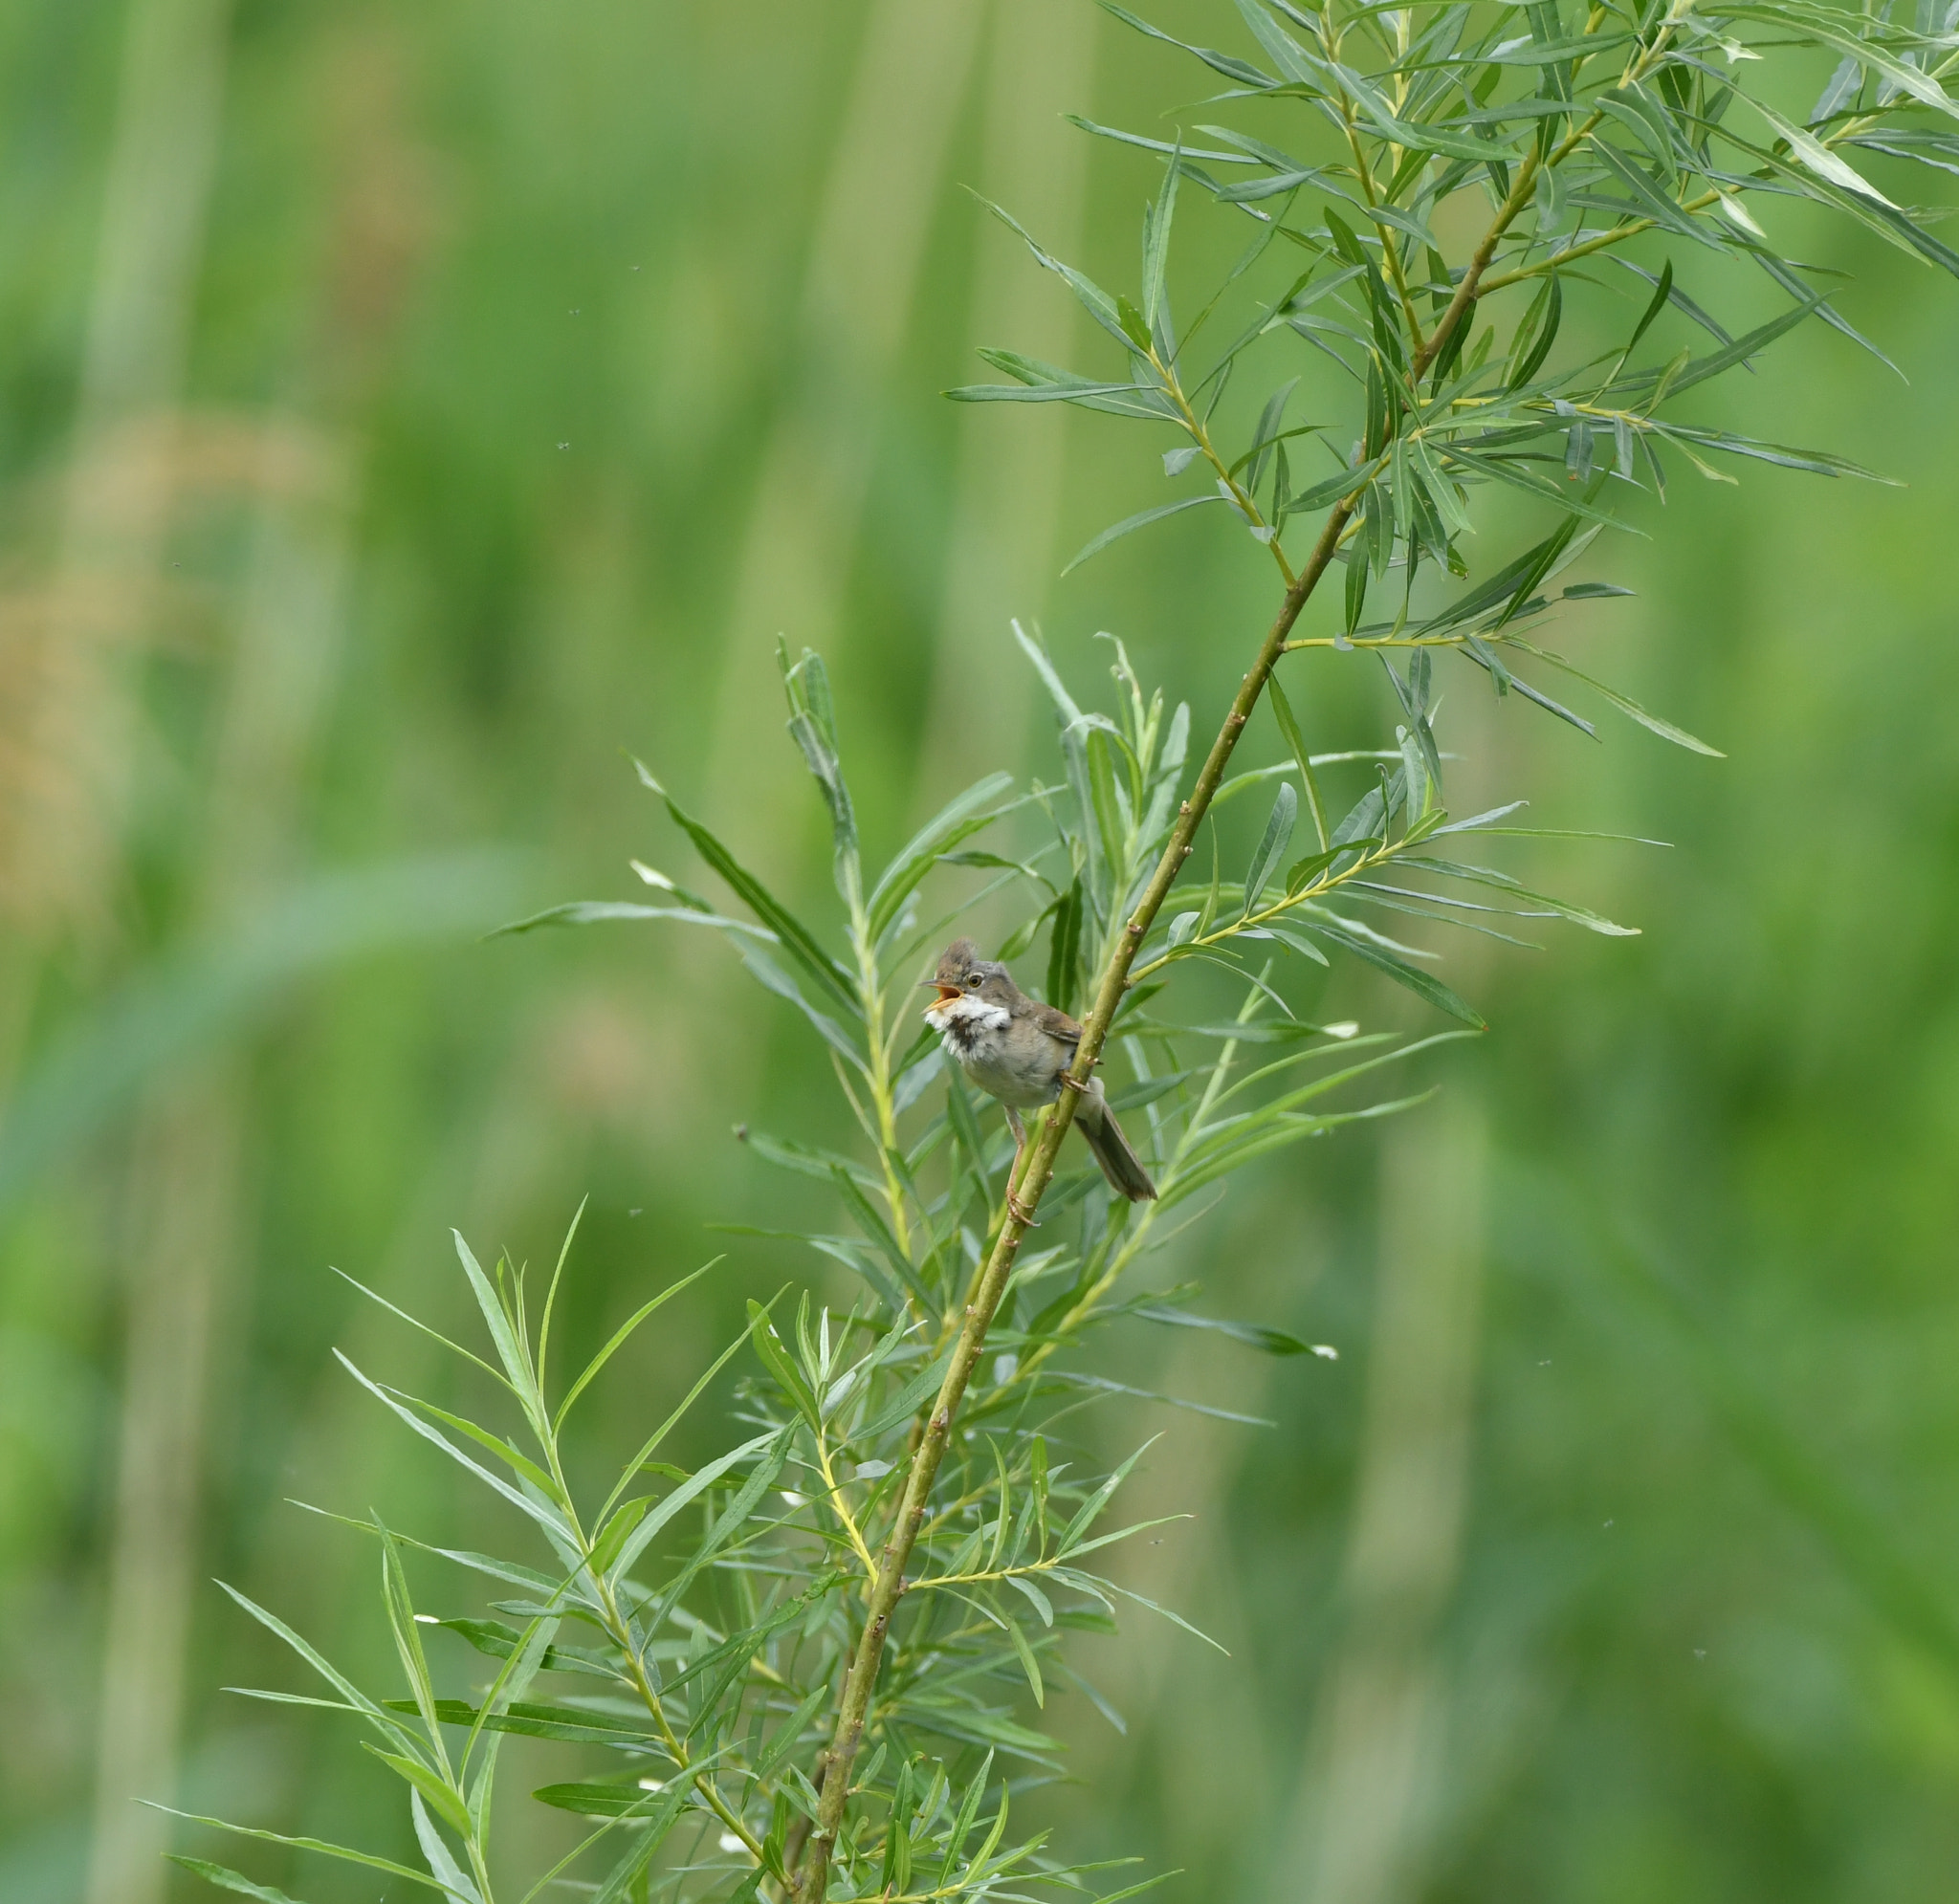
(1626, 706)
(1817, 157)
(537, 1719)
(1654, 200)
(1425, 985)
(1255, 1335)
(547, 1517)
(596, 912)
(1157, 262)
(1092, 298)
(1244, 74)
(908, 1400)
(1271, 847)
(957, 820)
(344, 1853)
(1128, 525)
(621, 1336)
(771, 978)
(229, 1880)
(643, 1536)
(796, 938)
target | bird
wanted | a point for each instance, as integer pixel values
(1016, 1049)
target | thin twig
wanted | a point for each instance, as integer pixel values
(1037, 1170)
(1035, 1176)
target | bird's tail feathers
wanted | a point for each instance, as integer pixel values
(1120, 1164)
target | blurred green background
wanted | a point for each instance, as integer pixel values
(403, 411)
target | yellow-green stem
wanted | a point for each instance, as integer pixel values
(1038, 1166)
(1036, 1173)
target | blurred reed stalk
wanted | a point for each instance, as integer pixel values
(67, 864)
(181, 1246)
(75, 711)
(860, 282)
(185, 1217)
(181, 1236)
(1370, 1781)
(866, 251)
(1364, 1811)
(1001, 552)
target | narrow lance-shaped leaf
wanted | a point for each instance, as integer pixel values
(516, 1363)
(1289, 726)
(442, 1863)
(346, 1854)
(648, 1529)
(771, 977)
(1157, 260)
(1626, 706)
(796, 937)
(1096, 301)
(229, 1880)
(1255, 1335)
(960, 818)
(546, 1517)
(1425, 985)
(1130, 524)
(1063, 948)
(619, 1338)
(598, 912)
(1085, 1516)
(1271, 847)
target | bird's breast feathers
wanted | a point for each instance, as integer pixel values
(974, 1032)
(1017, 1065)
(962, 1022)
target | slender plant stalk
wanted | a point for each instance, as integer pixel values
(1036, 1174)
(1037, 1170)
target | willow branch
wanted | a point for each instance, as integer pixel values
(1037, 1171)
(1035, 1176)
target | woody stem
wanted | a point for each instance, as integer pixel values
(1034, 1178)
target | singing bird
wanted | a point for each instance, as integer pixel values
(1015, 1048)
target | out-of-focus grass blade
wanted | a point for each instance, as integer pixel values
(199, 995)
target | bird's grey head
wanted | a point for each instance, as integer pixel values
(962, 974)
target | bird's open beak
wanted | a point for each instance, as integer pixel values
(946, 994)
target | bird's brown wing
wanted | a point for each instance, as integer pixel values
(1057, 1024)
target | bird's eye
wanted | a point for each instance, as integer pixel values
(974, 980)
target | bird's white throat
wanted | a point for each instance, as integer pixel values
(959, 1019)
